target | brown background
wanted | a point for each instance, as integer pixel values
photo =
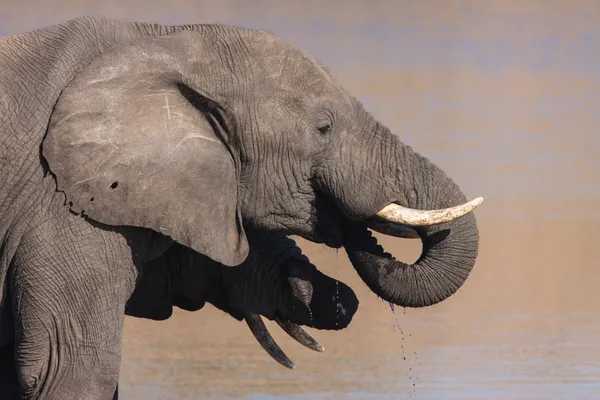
(504, 96)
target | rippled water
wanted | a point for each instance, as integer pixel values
(506, 98)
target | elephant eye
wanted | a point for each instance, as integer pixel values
(324, 129)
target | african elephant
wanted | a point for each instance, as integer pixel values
(124, 140)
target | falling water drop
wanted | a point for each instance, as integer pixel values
(416, 378)
(337, 301)
(408, 373)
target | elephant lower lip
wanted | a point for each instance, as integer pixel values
(392, 229)
(333, 242)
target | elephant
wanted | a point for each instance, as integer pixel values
(125, 141)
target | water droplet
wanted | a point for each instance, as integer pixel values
(337, 298)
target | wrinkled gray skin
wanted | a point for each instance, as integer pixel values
(157, 135)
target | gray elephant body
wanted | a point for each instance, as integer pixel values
(159, 138)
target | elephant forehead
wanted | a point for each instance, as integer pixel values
(288, 65)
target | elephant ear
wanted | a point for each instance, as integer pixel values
(129, 146)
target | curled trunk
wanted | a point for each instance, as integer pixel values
(449, 249)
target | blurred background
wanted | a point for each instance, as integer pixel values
(502, 95)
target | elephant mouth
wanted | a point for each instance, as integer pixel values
(329, 219)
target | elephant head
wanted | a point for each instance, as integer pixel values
(209, 129)
(276, 280)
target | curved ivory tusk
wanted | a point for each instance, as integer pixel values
(262, 335)
(300, 335)
(411, 217)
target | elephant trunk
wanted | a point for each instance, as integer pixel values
(449, 248)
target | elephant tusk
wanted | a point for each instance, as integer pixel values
(408, 216)
(300, 335)
(262, 335)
